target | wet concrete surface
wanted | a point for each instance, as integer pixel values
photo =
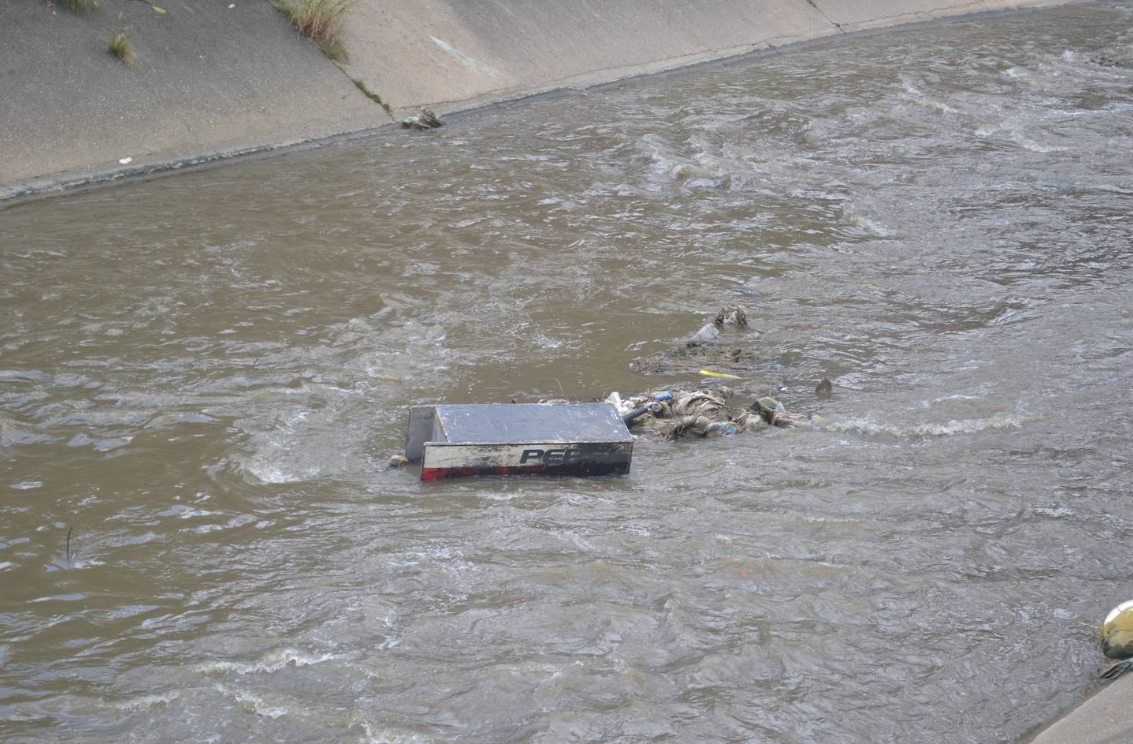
(1103, 719)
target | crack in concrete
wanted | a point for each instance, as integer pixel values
(821, 12)
(379, 95)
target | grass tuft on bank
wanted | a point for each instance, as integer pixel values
(121, 47)
(320, 21)
(80, 7)
(372, 96)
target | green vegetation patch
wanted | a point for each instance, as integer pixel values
(320, 21)
(372, 96)
(80, 7)
(121, 47)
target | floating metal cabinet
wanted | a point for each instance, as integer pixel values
(454, 441)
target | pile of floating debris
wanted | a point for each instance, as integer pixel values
(677, 414)
(568, 437)
(674, 414)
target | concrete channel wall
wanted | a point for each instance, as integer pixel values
(1106, 717)
(216, 78)
(208, 79)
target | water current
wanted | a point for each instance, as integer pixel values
(203, 376)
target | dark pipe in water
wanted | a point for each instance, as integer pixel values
(635, 414)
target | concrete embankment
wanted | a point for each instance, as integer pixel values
(1104, 718)
(221, 77)
(208, 80)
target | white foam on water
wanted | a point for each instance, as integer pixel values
(186, 512)
(375, 735)
(913, 94)
(956, 396)
(546, 342)
(271, 662)
(143, 702)
(273, 472)
(1014, 133)
(1029, 144)
(950, 428)
(254, 703)
(869, 225)
(59, 598)
(675, 168)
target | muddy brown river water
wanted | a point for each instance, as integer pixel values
(203, 376)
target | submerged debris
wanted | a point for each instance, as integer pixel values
(698, 351)
(710, 331)
(680, 413)
(773, 413)
(651, 407)
(700, 413)
(711, 353)
(690, 359)
(1104, 61)
(677, 414)
(423, 119)
(732, 315)
(706, 333)
(397, 462)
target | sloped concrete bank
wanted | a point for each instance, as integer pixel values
(1106, 717)
(209, 80)
(217, 78)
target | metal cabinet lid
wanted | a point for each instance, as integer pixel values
(531, 422)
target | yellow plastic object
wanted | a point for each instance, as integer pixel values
(721, 375)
